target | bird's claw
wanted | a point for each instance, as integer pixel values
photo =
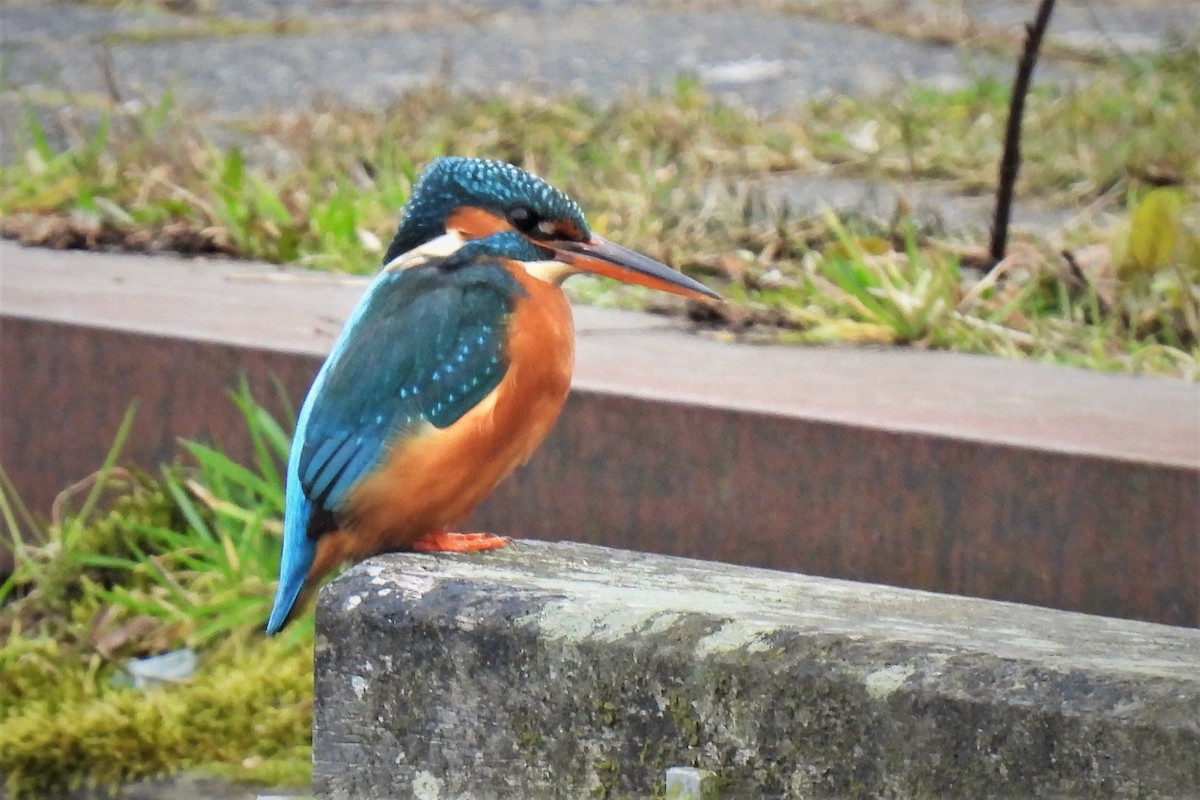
(447, 542)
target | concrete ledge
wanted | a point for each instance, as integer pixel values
(964, 474)
(563, 670)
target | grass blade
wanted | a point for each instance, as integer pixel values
(110, 461)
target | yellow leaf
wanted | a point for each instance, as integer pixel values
(852, 247)
(1153, 230)
(875, 245)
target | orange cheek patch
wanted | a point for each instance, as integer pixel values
(565, 229)
(475, 223)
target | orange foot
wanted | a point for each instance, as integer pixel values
(446, 542)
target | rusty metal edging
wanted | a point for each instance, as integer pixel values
(950, 473)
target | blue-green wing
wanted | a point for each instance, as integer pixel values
(425, 345)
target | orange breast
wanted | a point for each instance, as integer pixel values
(436, 477)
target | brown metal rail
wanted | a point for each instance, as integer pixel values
(952, 473)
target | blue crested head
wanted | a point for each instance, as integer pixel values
(503, 190)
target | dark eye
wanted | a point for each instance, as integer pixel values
(523, 219)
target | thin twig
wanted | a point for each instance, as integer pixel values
(109, 73)
(63, 497)
(1010, 162)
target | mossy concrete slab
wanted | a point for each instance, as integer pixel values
(565, 670)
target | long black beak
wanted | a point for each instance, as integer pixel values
(602, 257)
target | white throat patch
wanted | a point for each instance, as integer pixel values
(439, 248)
(550, 271)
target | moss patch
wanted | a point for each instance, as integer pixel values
(148, 565)
(246, 714)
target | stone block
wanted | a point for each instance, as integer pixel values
(566, 670)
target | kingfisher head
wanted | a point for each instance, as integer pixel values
(458, 200)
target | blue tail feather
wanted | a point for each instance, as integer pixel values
(298, 554)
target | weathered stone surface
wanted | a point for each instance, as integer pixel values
(562, 670)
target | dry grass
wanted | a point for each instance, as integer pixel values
(675, 176)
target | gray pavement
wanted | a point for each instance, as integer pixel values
(229, 59)
(246, 56)
(935, 206)
(236, 58)
(766, 60)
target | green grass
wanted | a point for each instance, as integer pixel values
(674, 176)
(1124, 124)
(145, 565)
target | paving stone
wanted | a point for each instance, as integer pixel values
(765, 60)
(1123, 26)
(935, 207)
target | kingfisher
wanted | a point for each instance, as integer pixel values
(447, 375)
